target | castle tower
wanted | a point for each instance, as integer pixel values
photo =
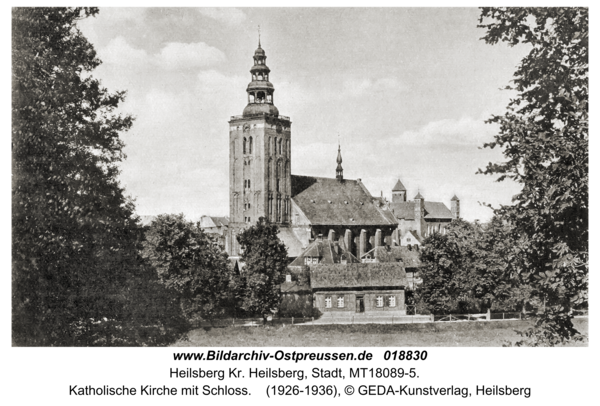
(398, 193)
(420, 214)
(259, 157)
(455, 207)
(339, 172)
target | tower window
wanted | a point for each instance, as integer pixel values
(269, 98)
(250, 97)
(280, 146)
(260, 97)
(266, 77)
(250, 145)
(248, 183)
(244, 145)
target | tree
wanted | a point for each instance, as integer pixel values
(265, 259)
(544, 138)
(191, 263)
(74, 232)
(449, 261)
(472, 268)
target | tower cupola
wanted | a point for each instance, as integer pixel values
(260, 90)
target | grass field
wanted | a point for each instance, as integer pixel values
(458, 334)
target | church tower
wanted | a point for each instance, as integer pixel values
(259, 157)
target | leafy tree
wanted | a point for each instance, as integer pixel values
(544, 138)
(447, 272)
(74, 232)
(472, 268)
(191, 263)
(265, 258)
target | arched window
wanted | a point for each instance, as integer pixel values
(248, 183)
(260, 97)
(269, 174)
(280, 146)
(250, 97)
(250, 145)
(278, 176)
(270, 146)
(244, 145)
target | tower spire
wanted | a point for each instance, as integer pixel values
(260, 90)
(339, 172)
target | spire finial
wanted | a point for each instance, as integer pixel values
(259, 35)
(339, 172)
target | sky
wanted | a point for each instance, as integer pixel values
(405, 91)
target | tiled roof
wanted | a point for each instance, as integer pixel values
(325, 250)
(326, 201)
(418, 196)
(293, 244)
(399, 187)
(433, 210)
(368, 275)
(409, 257)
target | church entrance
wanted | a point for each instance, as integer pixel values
(360, 304)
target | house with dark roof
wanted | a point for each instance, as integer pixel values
(334, 280)
(359, 288)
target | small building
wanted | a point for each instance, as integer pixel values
(368, 288)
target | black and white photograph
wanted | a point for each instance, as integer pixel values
(387, 179)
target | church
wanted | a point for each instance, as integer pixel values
(307, 207)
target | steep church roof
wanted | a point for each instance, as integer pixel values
(327, 201)
(433, 210)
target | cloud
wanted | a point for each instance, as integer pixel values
(358, 87)
(174, 56)
(119, 52)
(227, 15)
(119, 14)
(464, 131)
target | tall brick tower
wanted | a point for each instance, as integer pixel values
(259, 158)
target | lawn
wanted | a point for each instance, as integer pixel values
(457, 334)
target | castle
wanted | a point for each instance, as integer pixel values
(306, 207)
